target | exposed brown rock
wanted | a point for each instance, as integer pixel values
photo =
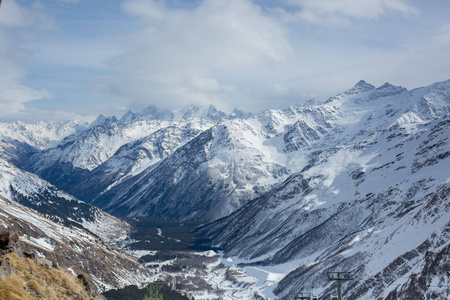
(4, 239)
(29, 255)
(8, 241)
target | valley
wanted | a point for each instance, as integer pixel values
(159, 234)
(243, 206)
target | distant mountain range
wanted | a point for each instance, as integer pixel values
(359, 182)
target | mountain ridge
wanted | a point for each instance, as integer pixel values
(335, 186)
(278, 142)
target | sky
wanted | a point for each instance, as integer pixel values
(75, 59)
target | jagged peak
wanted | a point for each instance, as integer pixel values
(241, 114)
(387, 85)
(363, 86)
(201, 112)
(152, 112)
(102, 120)
(385, 90)
(128, 116)
(311, 102)
(149, 113)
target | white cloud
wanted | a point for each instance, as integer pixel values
(33, 115)
(181, 54)
(14, 15)
(443, 35)
(342, 11)
(230, 53)
(13, 93)
(148, 10)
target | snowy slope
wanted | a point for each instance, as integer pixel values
(134, 157)
(94, 145)
(32, 191)
(233, 162)
(88, 149)
(373, 199)
(72, 248)
(224, 167)
(207, 178)
(358, 183)
(240, 159)
(69, 164)
(19, 140)
(77, 155)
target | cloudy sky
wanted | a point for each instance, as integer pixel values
(66, 59)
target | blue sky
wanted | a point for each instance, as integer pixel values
(75, 59)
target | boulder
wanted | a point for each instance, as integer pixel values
(8, 241)
(6, 269)
(43, 262)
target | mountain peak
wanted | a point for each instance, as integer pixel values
(202, 112)
(388, 86)
(128, 117)
(152, 112)
(311, 102)
(363, 86)
(102, 120)
(360, 87)
(385, 90)
(385, 86)
(241, 114)
(149, 113)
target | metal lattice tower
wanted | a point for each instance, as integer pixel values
(339, 277)
(153, 288)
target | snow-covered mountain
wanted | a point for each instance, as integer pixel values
(219, 170)
(20, 140)
(357, 183)
(134, 157)
(201, 180)
(72, 161)
(192, 112)
(240, 159)
(225, 161)
(373, 198)
(65, 230)
(34, 192)
(149, 113)
(71, 248)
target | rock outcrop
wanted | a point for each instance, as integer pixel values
(38, 275)
(8, 242)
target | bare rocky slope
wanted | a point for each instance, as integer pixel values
(76, 250)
